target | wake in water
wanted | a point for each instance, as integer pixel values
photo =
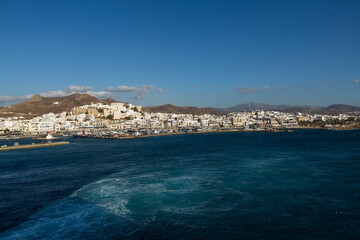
(114, 207)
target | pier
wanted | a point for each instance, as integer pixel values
(34, 145)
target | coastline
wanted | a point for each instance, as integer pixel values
(283, 130)
(15, 137)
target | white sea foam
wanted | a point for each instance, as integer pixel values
(59, 221)
(138, 199)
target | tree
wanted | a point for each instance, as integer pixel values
(110, 117)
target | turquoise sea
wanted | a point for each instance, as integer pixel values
(246, 185)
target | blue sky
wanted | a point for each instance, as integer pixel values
(199, 53)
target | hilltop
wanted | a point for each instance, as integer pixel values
(38, 105)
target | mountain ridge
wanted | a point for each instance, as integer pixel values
(332, 109)
(38, 105)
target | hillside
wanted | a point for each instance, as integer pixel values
(38, 105)
(333, 109)
(168, 108)
(336, 108)
(109, 100)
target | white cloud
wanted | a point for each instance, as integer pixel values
(58, 93)
(77, 89)
(140, 91)
(100, 94)
(9, 99)
(4, 99)
(357, 80)
(241, 89)
(267, 89)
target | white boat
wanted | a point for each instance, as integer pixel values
(49, 137)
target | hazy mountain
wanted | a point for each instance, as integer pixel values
(255, 106)
(338, 108)
(333, 109)
(305, 109)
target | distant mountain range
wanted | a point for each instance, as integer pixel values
(333, 109)
(39, 105)
(254, 106)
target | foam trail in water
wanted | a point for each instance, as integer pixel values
(113, 203)
(69, 219)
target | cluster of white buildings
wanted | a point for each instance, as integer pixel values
(125, 116)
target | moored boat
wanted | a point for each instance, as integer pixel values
(48, 137)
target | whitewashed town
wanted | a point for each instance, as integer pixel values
(127, 120)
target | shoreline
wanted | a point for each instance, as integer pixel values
(15, 137)
(286, 130)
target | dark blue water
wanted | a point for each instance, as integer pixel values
(300, 185)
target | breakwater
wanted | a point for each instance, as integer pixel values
(34, 145)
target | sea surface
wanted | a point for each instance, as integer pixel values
(247, 185)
